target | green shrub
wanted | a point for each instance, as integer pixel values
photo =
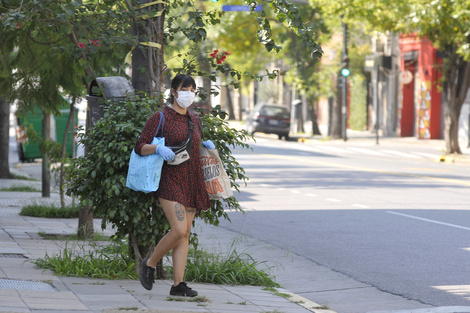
(98, 178)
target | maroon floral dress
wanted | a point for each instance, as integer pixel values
(181, 183)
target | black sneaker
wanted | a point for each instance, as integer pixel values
(182, 290)
(147, 275)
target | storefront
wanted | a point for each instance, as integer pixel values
(419, 109)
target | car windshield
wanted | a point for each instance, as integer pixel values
(274, 111)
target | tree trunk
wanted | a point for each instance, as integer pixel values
(147, 67)
(457, 74)
(85, 223)
(85, 218)
(206, 81)
(46, 171)
(336, 121)
(141, 80)
(63, 155)
(5, 138)
(231, 112)
(315, 128)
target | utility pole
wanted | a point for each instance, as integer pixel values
(345, 73)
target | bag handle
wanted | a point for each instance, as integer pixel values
(160, 122)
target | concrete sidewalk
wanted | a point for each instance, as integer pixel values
(26, 288)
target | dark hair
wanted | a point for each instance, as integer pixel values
(181, 79)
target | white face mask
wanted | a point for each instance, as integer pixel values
(185, 98)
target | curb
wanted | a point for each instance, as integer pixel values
(306, 303)
(454, 159)
(304, 140)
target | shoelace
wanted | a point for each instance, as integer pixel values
(148, 274)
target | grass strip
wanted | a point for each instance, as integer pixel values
(231, 269)
(20, 188)
(73, 237)
(91, 260)
(50, 211)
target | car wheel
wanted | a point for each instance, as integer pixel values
(249, 128)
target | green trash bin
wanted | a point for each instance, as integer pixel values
(28, 151)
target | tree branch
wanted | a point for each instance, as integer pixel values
(45, 43)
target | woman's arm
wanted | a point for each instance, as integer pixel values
(143, 145)
(148, 149)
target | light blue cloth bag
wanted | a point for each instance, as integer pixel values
(145, 171)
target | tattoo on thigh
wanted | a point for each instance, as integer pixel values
(191, 211)
(179, 210)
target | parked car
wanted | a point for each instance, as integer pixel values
(269, 119)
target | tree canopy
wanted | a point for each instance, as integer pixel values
(443, 22)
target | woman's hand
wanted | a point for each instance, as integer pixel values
(166, 153)
(208, 144)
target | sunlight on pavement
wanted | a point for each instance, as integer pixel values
(458, 290)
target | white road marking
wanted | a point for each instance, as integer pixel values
(402, 154)
(333, 200)
(295, 191)
(428, 220)
(328, 149)
(427, 155)
(362, 206)
(366, 151)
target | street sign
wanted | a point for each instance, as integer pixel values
(369, 63)
(406, 77)
(240, 8)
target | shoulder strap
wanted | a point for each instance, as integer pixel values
(200, 127)
(160, 122)
(191, 128)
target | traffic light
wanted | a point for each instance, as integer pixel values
(345, 67)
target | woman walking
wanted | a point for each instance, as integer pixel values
(181, 193)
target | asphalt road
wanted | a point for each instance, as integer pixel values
(400, 223)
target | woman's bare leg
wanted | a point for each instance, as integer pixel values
(177, 238)
(180, 251)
